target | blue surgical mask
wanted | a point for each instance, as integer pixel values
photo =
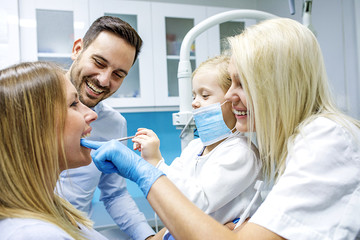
(210, 124)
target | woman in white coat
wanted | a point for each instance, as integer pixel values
(308, 147)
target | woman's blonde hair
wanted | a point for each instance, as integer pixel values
(282, 72)
(220, 65)
(33, 110)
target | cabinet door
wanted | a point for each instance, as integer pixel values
(217, 35)
(48, 29)
(137, 89)
(170, 24)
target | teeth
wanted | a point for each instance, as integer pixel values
(242, 113)
(94, 88)
(85, 135)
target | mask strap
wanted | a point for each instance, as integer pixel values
(220, 106)
(224, 102)
(186, 125)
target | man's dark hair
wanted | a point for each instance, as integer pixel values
(113, 25)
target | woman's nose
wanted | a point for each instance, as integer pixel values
(231, 96)
(89, 115)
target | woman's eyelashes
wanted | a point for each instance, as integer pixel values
(74, 104)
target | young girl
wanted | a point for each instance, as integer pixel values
(218, 170)
(41, 123)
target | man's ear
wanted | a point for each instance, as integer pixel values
(77, 48)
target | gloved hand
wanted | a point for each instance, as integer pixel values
(113, 156)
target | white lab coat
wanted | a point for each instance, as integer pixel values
(318, 196)
(221, 183)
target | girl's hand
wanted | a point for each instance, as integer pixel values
(147, 142)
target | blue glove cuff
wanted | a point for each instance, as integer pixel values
(147, 174)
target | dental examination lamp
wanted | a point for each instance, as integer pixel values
(183, 119)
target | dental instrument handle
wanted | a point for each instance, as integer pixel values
(292, 6)
(125, 138)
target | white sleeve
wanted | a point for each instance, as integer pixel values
(229, 170)
(318, 196)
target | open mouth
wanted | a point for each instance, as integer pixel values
(86, 133)
(239, 112)
(93, 88)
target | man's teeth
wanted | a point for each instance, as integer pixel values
(242, 113)
(94, 88)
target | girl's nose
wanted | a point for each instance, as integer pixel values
(195, 104)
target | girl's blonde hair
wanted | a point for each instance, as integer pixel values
(220, 65)
(282, 72)
(33, 110)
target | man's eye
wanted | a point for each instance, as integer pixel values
(98, 63)
(118, 75)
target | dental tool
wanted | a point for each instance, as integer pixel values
(306, 13)
(125, 138)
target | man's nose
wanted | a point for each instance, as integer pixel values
(104, 78)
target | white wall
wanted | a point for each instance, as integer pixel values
(334, 23)
(9, 33)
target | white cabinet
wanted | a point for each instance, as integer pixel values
(48, 28)
(170, 23)
(217, 35)
(137, 89)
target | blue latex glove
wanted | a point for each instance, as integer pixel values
(115, 157)
(168, 236)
